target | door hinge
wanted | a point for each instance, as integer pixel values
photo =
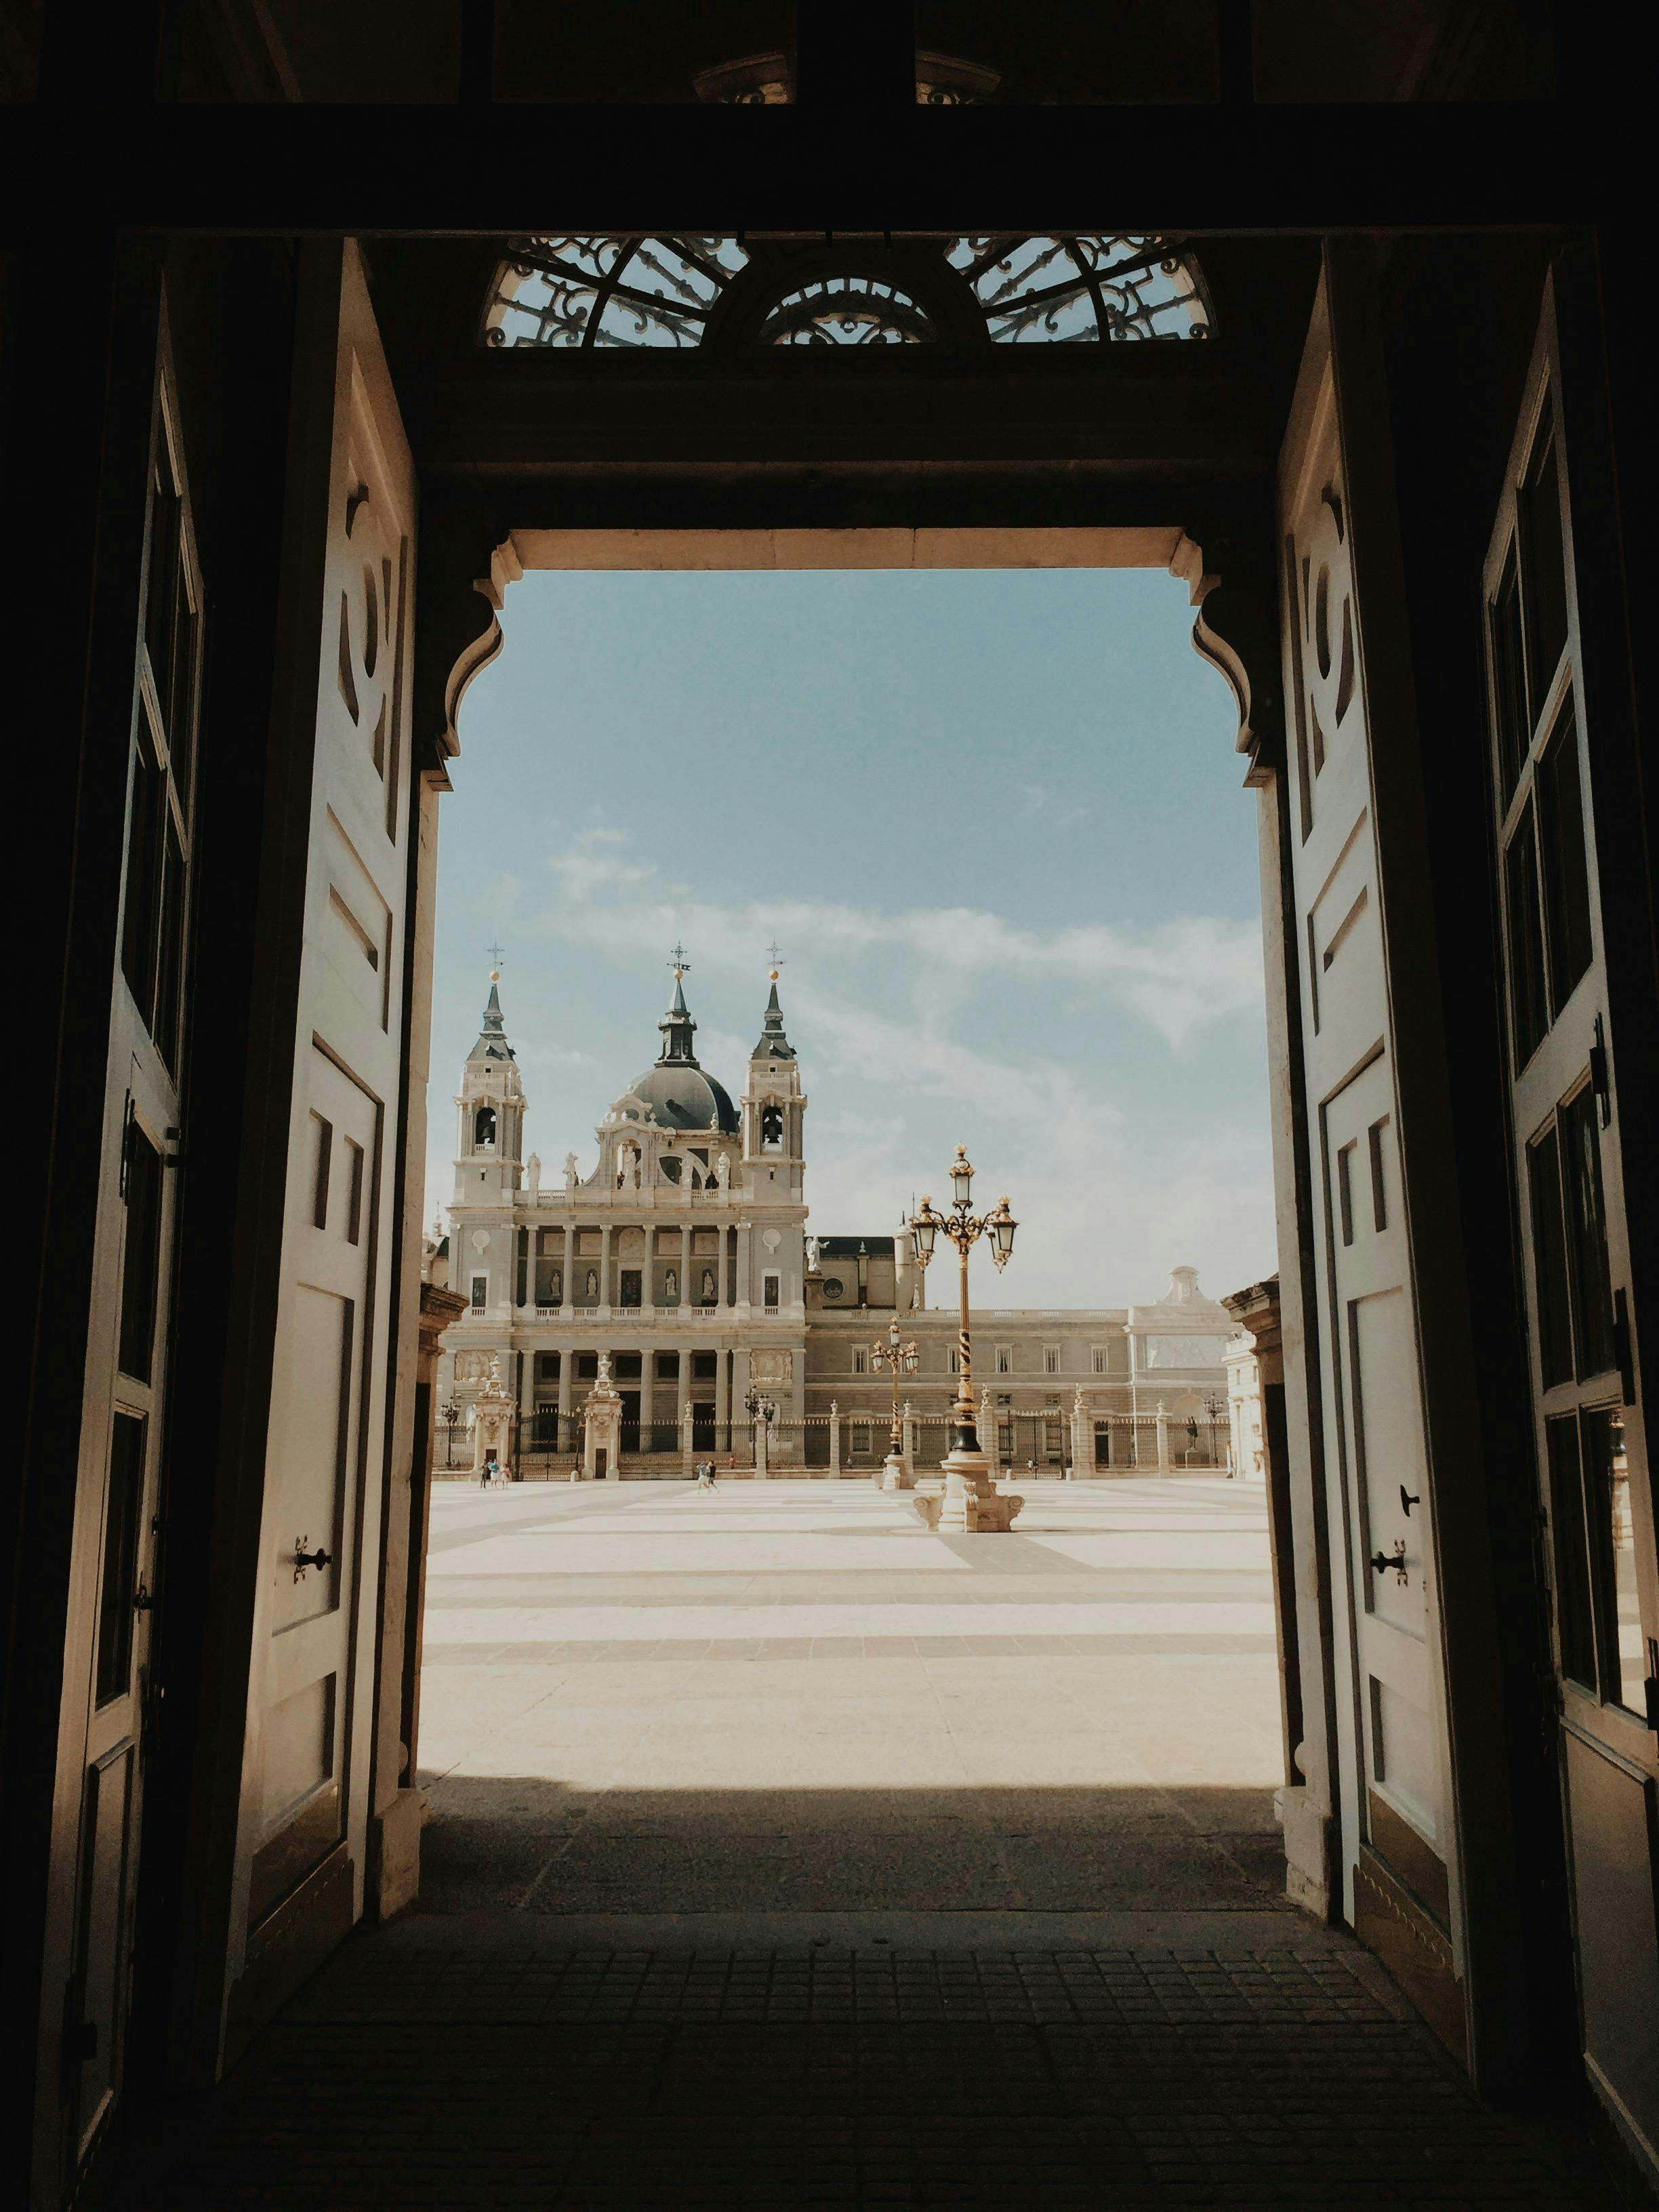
(1599, 1083)
(127, 1121)
(1650, 1687)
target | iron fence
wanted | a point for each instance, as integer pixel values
(547, 1444)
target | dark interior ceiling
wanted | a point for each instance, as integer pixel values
(1062, 52)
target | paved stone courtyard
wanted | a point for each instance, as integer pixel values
(647, 1698)
(784, 1855)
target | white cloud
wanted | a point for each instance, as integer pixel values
(1177, 975)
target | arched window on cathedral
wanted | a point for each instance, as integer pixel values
(484, 1126)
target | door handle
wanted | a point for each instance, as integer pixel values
(1380, 1562)
(304, 1558)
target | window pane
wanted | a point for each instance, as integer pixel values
(1566, 881)
(1546, 571)
(1619, 1612)
(141, 1255)
(182, 726)
(1587, 1235)
(1574, 1620)
(1509, 681)
(170, 951)
(1526, 944)
(161, 592)
(143, 884)
(120, 1580)
(1549, 1260)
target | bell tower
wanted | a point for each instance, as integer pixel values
(775, 1111)
(489, 1105)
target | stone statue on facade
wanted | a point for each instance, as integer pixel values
(723, 1171)
(532, 1175)
(570, 1170)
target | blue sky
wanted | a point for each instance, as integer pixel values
(996, 821)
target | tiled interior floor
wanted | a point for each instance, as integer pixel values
(784, 1855)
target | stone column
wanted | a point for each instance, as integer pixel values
(685, 1265)
(720, 1270)
(834, 1441)
(1082, 1437)
(745, 1266)
(760, 1428)
(567, 1364)
(605, 1272)
(722, 1400)
(1163, 1439)
(682, 1404)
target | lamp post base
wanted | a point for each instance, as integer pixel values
(972, 1506)
(894, 1474)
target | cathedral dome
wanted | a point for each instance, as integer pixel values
(682, 1097)
(677, 1092)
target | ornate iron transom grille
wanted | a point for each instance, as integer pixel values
(846, 311)
(607, 291)
(1073, 288)
(1065, 287)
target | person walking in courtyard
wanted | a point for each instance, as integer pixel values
(492, 1472)
(483, 1476)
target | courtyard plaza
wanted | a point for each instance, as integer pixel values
(782, 1853)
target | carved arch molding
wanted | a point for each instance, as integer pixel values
(469, 558)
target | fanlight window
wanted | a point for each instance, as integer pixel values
(1064, 288)
(846, 311)
(1076, 289)
(608, 291)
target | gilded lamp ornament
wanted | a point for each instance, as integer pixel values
(964, 1229)
(898, 1359)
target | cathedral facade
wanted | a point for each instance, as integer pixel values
(682, 1260)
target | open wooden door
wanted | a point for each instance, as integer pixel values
(1392, 1780)
(106, 1723)
(1568, 1133)
(305, 1801)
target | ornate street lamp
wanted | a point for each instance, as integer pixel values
(968, 1472)
(451, 1412)
(898, 1359)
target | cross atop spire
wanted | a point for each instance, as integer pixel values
(496, 954)
(775, 958)
(677, 961)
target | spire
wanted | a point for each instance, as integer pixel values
(677, 1025)
(492, 1037)
(774, 1044)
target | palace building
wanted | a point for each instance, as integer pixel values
(683, 1255)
